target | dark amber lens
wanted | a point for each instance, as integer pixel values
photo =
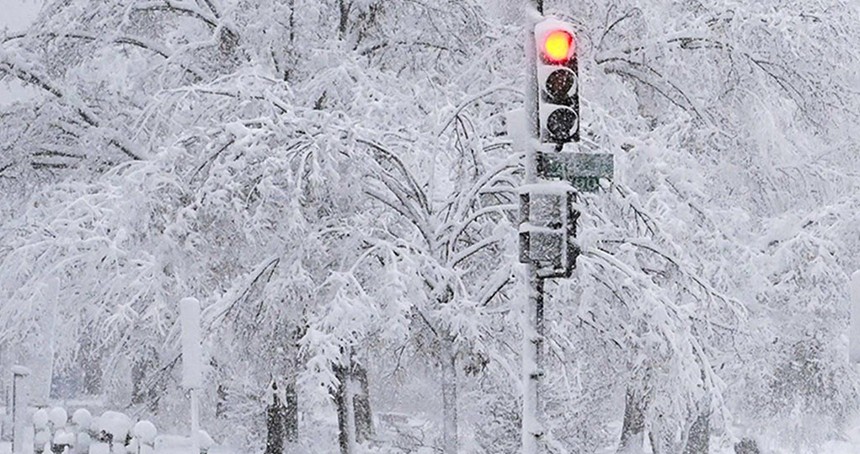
(559, 83)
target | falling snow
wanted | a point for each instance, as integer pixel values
(306, 216)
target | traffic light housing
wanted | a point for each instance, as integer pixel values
(548, 230)
(558, 82)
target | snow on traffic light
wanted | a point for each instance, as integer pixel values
(558, 82)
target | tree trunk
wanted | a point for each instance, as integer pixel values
(349, 398)
(3, 373)
(449, 398)
(343, 23)
(6, 389)
(346, 439)
(222, 392)
(221, 401)
(747, 446)
(363, 415)
(352, 398)
(656, 443)
(633, 428)
(698, 437)
(700, 432)
(140, 371)
(291, 415)
(91, 368)
(275, 416)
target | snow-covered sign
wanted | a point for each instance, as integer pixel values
(582, 170)
(854, 329)
(192, 352)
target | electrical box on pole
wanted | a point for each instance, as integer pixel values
(557, 82)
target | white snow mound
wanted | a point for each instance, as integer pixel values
(145, 432)
(58, 416)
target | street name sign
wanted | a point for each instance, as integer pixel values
(582, 170)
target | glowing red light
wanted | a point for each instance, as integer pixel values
(558, 46)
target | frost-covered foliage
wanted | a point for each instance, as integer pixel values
(334, 181)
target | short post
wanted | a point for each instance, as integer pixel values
(6, 417)
(144, 435)
(20, 403)
(82, 425)
(854, 326)
(195, 422)
(41, 431)
(192, 362)
(61, 438)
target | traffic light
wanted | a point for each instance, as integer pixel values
(548, 230)
(558, 82)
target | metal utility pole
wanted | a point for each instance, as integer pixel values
(533, 326)
(533, 430)
(556, 171)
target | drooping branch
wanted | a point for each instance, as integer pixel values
(182, 8)
(136, 41)
(215, 313)
(648, 76)
(32, 77)
(391, 157)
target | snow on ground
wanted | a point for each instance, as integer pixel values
(187, 450)
(851, 445)
(176, 445)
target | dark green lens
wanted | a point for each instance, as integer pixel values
(561, 123)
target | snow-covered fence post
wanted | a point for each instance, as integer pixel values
(112, 433)
(854, 327)
(81, 425)
(61, 439)
(192, 361)
(41, 426)
(144, 438)
(20, 402)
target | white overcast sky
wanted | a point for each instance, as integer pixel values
(15, 15)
